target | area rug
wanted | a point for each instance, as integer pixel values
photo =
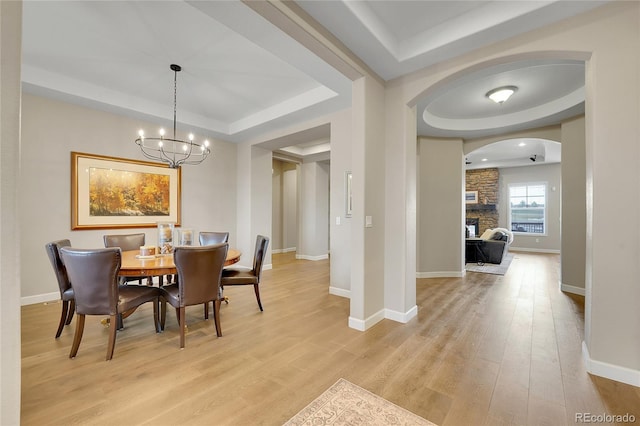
(491, 268)
(347, 404)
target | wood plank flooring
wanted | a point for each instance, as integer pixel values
(484, 349)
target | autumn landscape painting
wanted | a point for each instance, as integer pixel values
(127, 193)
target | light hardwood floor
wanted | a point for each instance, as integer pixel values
(484, 349)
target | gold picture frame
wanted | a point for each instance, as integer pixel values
(111, 192)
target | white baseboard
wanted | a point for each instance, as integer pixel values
(610, 371)
(572, 289)
(403, 317)
(40, 298)
(286, 250)
(441, 274)
(534, 250)
(363, 325)
(305, 257)
(336, 291)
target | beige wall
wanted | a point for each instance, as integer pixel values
(368, 168)
(284, 207)
(440, 208)
(50, 131)
(574, 214)
(313, 238)
(340, 234)
(261, 196)
(10, 42)
(276, 206)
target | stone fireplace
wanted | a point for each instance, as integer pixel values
(484, 213)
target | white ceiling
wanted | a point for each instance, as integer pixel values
(243, 76)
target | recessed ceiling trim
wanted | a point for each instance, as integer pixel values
(37, 81)
(376, 27)
(538, 112)
(291, 105)
(466, 25)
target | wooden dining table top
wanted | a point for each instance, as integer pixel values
(134, 266)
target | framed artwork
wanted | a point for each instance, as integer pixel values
(471, 197)
(110, 192)
(348, 194)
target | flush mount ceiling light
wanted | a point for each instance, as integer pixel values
(501, 94)
(172, 151)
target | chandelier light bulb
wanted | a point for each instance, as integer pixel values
(161, 132)
(141, 133)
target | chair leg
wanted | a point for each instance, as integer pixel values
(181, 322)
(206, 310)
(77, 336)
(63, 317)
(163, 313)
(112, 336)
(71, 311)
(216, 316)
(156, 316)
(257, 290)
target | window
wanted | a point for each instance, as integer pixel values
(527, 208)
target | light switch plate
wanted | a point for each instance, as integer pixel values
(368, 222)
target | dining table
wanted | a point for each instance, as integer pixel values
(135, 265)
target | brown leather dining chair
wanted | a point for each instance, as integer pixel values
(208, 238)
(126, 242)
(233, 276)
(64, 285)
(199, 272)
(94, 274)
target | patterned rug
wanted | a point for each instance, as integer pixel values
(491, 268)
(347, 404)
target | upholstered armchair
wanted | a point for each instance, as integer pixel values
(199, 273)
(94, 276)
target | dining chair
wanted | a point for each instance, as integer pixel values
(199, 271)
(94, 274)
(233, 276)
(126, 242)
(209, 238)
(64, 285)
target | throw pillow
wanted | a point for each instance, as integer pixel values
(486, 235)
(499, 235)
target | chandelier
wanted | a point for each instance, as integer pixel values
(172, 151)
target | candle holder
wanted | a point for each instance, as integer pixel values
(165, 237)
(185, 237)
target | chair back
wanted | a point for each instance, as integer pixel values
(199, 272)
(126, 242)
(210, 238)
(94, 274)
(258, 257)
(53, 251)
